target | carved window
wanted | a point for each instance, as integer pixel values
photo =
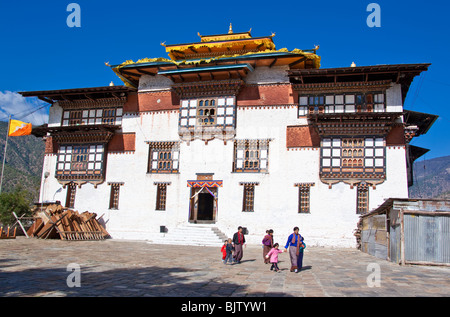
(211, 111)
(304, 197)
(342, 103)
(79, 161)
(164, 157)
(161, 195)
(362, 199)
(353, 156)
(111, 116)
(114, 195)
(70, 196)
(207, 112)
(248, 201)
(251, 156)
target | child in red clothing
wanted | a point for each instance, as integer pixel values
(224, 250)
(273, 255)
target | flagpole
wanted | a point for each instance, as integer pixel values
(4, 154)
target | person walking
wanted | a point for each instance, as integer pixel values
(294, 240)
(229, 252)
(273, 256)
(300, 247)
(238, 242)
(267, 244)
(224, 250)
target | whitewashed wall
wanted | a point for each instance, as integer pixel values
(333, 211)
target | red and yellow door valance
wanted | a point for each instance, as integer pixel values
(209, 183)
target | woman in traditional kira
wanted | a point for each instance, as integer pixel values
(294, 243)
(267, 244)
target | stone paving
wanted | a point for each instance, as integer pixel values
(32, 267)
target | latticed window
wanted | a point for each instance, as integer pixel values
(112, 116)
(353, 156)
(109, 116)
(362, 200)
(161, 195)
(248, 196)
(212, 111)
(114, 197)
(80, 160)
(70, 197)
(75, 117)
(342, 103)
(251, 156)
(164, 157)
(304, 197)
(207, 112)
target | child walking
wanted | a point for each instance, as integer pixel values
(273, 255)
(224, 250)
(229, 252)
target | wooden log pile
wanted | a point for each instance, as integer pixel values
(55, 221)
(7, 233)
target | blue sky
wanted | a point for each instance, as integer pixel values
(40, 52)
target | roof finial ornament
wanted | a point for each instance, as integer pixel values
(230, 30)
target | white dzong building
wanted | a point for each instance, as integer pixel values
(232, 132)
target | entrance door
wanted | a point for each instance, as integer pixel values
(203, 205)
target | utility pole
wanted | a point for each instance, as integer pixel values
(4, 154)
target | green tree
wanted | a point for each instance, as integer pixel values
(19, 201)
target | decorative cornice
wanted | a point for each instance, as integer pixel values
(358, 86)
(98, 136)
(92, 103)
(208, 88)
(304, 185)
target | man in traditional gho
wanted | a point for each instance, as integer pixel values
(294, 243)
(238, 242)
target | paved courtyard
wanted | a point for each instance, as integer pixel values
(32, 267)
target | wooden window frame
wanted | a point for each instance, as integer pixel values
(207, 112)
(70, 195)
(304, 197)
(368, 156)
(92, 116)
(114, 195)
(362, 199)
(248, 198)
(224, 112)
(251, 156)
(352, 102)
(80, 160)
(164, 157)
(161, 195)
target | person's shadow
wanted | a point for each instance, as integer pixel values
(249, 260)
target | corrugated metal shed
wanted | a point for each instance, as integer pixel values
(408, 231)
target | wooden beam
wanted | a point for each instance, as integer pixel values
(45, 99)
(297, 61)
(90, 98)
(128, 73)
(145, 72)
(273, 62)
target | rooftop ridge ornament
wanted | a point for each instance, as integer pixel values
(230, 29)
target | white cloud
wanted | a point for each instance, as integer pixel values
(22, 108)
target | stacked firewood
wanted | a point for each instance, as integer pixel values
(55, 221)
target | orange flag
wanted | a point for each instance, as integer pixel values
(18, 128)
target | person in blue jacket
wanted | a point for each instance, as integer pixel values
(295, 245)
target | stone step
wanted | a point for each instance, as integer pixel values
(197, 235)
